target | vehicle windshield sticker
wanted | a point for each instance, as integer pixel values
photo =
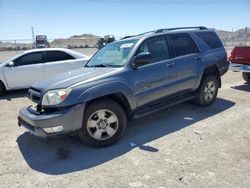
(127, 45)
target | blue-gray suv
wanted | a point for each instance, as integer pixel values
(128, 79)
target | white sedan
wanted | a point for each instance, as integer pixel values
(36, 65)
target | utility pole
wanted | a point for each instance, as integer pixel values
(33, 37)
(15, 47)
(232, 36)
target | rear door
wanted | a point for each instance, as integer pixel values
(27, 70)
(187, 60)
(155, 80)
(57, 62)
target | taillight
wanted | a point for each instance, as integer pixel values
(232, 56)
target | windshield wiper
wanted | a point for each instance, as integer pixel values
(103, 65)
(100, 65)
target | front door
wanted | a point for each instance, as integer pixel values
(27, 70)
(155, 80)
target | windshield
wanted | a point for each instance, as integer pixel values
(112, 55)
(40, 41)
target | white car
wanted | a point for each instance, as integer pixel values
(36, 65)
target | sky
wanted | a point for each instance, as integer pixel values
(64, 18)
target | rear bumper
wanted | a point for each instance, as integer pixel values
(36, 123)
(239, 67)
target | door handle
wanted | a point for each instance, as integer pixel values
(170, 65)
(198, 58)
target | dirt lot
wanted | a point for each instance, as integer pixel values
(185, 146)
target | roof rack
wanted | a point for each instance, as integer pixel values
(138, 34)
(166, 30)
(179, 28)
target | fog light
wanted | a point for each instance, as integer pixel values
(53, 129)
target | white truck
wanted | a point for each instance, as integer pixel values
(41, 41)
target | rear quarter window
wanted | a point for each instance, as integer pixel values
(211, 39)
(57, 56)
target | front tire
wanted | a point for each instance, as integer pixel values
(207, 91)
(104, 123)
(246, 76)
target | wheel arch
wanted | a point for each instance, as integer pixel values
(209, 70)
(213, 70)
(119, 98)
(4, 87)
(1, 82)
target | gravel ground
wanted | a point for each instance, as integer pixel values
(184, 146)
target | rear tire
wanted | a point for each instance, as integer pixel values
(246, 76)
(104, 123)
(207, 91)
(2, 89)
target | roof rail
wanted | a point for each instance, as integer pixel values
(177, 28)
(138, 34)
(166, 30)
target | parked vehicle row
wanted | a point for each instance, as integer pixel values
(33, 66)
(128, 79)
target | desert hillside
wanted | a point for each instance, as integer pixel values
(76, 40)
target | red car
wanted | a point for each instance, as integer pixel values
(240, 61)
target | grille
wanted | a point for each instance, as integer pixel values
(25, 124)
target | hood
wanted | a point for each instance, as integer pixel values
(67, 79)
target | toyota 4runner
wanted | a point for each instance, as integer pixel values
(128, 79)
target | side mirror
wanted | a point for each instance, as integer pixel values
(142, 59)
(11, 64)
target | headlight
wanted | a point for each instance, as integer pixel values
(54, 97)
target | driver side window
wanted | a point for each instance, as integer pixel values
(157, 48)
(29, 59)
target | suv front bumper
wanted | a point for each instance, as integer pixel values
(37, 123)
(239, 67)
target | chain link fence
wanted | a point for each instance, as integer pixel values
(231, 43)
(89, 45)
(10, 48)
(26, 44)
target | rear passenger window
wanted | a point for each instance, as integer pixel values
(183, 44)
(157, 47)
(211, 39)
(57, 56)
